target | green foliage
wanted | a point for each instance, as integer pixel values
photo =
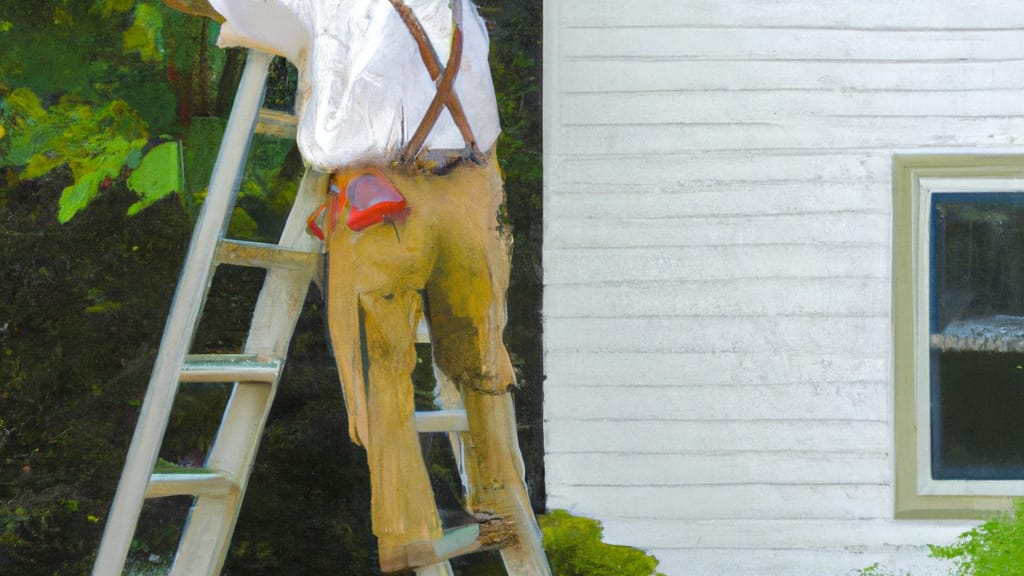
(145, 36)
(574, 548)
(95, 142)
(158, 175)
(86, 86)
(111, 7)
(996, 548)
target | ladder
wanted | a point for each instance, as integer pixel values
(292, 264)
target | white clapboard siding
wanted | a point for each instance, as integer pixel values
(610, 172)
(732, 44)
(625, 469)
(808, 134)
(725, 502)
(781, 334)
(717, 264)
(783, 296)
(864, 227)
(696, 368)
(627, 76)
(582, 109)
(795, 14)
(567, 437)
(813, 401)
(688, 198)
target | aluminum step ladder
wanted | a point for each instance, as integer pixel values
(292, 264)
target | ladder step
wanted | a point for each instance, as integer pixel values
(277, 124)
(454, 542)
(190, 481)
(230, 368)
(260, 255)
(442, 421)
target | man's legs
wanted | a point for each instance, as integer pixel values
(466, 304)
(402, 500)
(374, 307)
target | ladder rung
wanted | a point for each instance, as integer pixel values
(196, 482)
(260, 255)
(277, 124)
(230, 368)
(442, 421)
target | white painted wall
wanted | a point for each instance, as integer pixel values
(717, 254)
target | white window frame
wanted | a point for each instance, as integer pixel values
(916, 179)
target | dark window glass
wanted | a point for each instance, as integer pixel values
(977, 336)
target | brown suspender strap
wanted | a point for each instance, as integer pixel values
(444, 89)
(445, 79)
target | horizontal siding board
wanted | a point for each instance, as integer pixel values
(649, 368)
(755, 296)
(715, 262)
(690, 43)
(744, 534)
(807, 134)
(759, 105)
(758, 14)
(816, 562)
(808, 168)
(686, 470)
(611, 202)
(697, 231)
(617, 75)
(563, 437)
(861, 401)
(726, 502)
(781, 334)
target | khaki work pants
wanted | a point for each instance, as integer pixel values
(451, 252)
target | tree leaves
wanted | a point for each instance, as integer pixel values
(96, 143)
(77, 196)
(110, 7)
(90, 100)
(108, 163)
(158, 175)
(145, 34)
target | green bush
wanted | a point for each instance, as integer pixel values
(574, 548)
(996, 548)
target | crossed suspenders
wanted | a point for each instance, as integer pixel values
(444, 79)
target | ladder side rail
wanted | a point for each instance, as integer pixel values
(182, 319)
(212, 519)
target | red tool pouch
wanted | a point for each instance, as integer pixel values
(371, 196)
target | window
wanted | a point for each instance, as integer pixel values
(958, 327)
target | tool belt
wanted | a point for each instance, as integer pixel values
(373, 197)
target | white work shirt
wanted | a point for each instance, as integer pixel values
(363, 88)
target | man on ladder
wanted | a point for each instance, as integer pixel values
(396, 102)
